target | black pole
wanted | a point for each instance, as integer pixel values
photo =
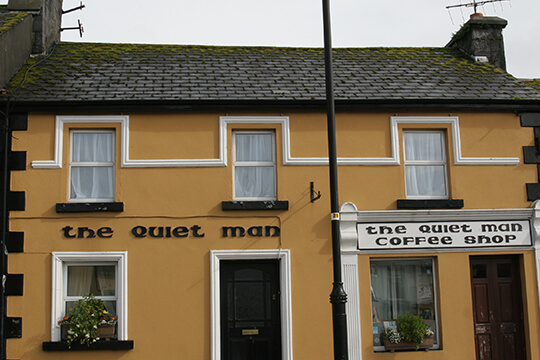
(338, 297)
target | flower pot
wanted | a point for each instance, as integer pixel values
(408, 345)
(63, 332)
(106, 332)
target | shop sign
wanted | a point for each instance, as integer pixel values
(445, 234)
(196, 231)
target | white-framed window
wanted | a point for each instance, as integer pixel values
(254, 165)
(91, 166)
(400, 286)
(77, 274)
(425, 165)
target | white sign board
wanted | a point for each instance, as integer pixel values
(443, 235)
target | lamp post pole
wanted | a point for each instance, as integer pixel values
(338, 297)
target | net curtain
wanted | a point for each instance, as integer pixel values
(427, 179)
(92, 167)
(255, 170)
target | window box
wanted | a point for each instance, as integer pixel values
(409, 345)
(255, 205)
(430, 204)
(99, 345)
(90, 207)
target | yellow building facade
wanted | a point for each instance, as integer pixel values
(175, 227)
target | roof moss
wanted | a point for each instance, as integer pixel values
(535, 83)
(10, 20)
(98, 71)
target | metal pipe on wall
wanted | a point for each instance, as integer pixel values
(4, 227)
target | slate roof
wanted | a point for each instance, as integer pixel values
(535, 83)
(120, 72)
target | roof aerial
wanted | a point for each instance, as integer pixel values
(474, 4)
(79, 27)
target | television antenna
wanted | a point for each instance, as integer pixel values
(474, 4)
(80, 27)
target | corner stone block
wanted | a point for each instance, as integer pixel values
(530, 119)
(533, 191)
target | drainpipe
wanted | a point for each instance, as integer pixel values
(4, 226)
(338, 297)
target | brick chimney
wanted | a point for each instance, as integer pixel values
(47, 17)
(481, 38)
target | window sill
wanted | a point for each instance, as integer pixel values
(90, 207)
(384, 351)
(430, 204)
(255, 205)
(100, 345)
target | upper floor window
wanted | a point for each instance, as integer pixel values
(92, 166)
(425, 165)
(254, 165)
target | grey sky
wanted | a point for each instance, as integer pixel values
(355, 23)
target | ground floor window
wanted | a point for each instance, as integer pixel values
(400, 286)
(78, 274)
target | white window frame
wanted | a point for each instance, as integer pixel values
(442, 162)
(436, 345)
(284, 257)
(254, 164)
(60, 262)
(92, 164)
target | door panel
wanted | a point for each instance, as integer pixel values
(480, 295)
(497, 306)
(250, 310)
(484, 346)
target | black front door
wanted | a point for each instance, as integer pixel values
(250, 310)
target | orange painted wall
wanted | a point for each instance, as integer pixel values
(169, 279)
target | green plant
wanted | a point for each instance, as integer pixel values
(82, 321)
(412, 328)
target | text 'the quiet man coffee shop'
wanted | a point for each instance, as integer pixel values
(470, 274)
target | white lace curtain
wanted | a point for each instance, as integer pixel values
(394, 288)
(92, 170)
(255, 166)
(425, 170)
(95, 280)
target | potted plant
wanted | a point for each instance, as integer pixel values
(82, 323)
(411, 333)
(107, 326)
